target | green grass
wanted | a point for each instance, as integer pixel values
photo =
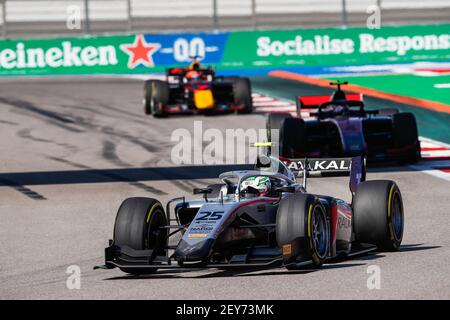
(408, 85)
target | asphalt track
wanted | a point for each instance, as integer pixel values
(73, 149)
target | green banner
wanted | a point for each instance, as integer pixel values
(353, 46)
(145, 53)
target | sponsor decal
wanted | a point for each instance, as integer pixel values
(337, 47)
(401, 45)
(368, 43)
(287, 249)
(140, 52)
(320, 165)
(64, 54)
(202, 228)
(344, 222)
(319, 45)
(197, 235)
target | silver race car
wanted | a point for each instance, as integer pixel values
(260, 218)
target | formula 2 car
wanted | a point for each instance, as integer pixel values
(342, 127)
(260, 218)
(196, 89)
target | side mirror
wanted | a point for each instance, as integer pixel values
(289, 189)
(202, 191)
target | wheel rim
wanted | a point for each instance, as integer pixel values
(319, 232)
(156, 236)
(397, 217)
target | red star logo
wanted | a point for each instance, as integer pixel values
(140, 52)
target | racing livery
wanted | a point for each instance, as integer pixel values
(260, 218)
(342, 127)
(197, 89)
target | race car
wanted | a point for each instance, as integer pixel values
(341, 126)
(262, 218)
(196, 89)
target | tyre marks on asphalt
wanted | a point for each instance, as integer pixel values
(9, 122)
(22, 189)
(109, 154)
(51, 117)
(112, 176)
(26, 134)
(87, 119)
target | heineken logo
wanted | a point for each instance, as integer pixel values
(140, 52)
(65, 55)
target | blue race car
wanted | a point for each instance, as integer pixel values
(341, 126)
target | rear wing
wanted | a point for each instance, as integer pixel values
(355, 168)
(182, 71)
(313, 102)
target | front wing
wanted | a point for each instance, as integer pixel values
(257, 258)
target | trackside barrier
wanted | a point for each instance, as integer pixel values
(283, 49)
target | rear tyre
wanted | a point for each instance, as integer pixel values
(242, 92)
(378, 214)
(274, 121)
(405, 134)
(293, 138)
(156, 97)
(137, 226)
(302, 230)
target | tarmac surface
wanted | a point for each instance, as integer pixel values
(72, 149)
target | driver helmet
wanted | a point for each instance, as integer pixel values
(195, 65)
(338, 95)
(193, 75)
(262, 184)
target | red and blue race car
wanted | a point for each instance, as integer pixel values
(341, 126)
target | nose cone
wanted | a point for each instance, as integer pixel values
(198, 251)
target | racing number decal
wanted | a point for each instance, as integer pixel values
(205, 222)
(210, 216)
(184, 50)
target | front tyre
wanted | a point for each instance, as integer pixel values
(302, 230)
(378, 214)
(156, 97)
(138, 226)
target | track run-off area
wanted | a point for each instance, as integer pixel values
(72, 149)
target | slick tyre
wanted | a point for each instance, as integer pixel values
(405, 133)
(156, 97)
(242, 91)
(274, 121)
(302, 230)
(138, 226)
(378, 214)
(293, 138)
